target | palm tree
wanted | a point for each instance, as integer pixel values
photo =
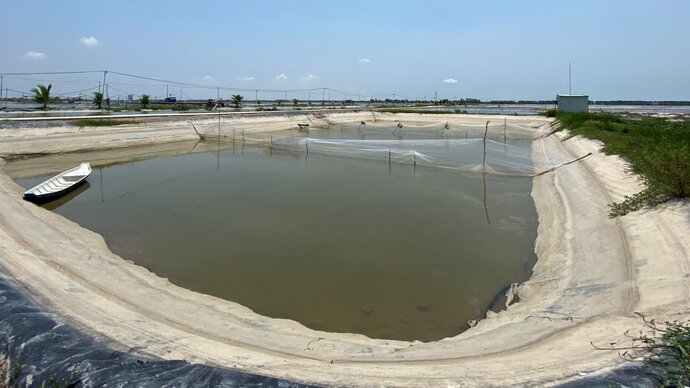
(237, 100)
(295, 102)
(98, 99)
(145, 98)
(42, 95)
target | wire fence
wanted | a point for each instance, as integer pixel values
(124, 86)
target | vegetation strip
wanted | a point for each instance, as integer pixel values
(657, 149)
(102, 122)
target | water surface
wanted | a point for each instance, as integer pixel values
(339, 244)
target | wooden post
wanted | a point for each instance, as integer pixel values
(505, 123)
(486, 130)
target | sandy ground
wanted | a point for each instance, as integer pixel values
(592, 276)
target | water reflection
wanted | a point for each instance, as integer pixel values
(56, 203)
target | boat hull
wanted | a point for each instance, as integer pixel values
(43, 198)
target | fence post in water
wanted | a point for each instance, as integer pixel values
(486, 130)
(486, 208)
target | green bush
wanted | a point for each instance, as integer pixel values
(657, 149)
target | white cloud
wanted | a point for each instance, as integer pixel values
(364, 60)
(35, 55)
(310, 77)
(450, 81)
(250, 78)
(281, 76)
(209, 78)
(89, 42)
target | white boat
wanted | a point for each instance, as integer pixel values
(59, 184)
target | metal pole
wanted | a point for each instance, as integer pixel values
(104, 74)
(2, 101)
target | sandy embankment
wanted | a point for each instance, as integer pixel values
(592, 275)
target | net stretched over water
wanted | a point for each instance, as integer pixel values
(449, 154)
(462, 145)
(462, 155)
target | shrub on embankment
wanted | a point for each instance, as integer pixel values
(657, 149)
(102, 122)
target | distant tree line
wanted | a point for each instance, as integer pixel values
(640, 102)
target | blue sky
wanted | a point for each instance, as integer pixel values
(492, 49)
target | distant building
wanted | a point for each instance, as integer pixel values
(572, 103)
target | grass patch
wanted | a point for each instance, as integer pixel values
(9, 372)
(664, 348)
(657, 149)
(171, 107)
(411, 110)
(102, 122)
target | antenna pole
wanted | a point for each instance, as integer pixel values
(570, 80)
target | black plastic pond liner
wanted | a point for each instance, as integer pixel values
(49, 351)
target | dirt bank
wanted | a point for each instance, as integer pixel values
(593, 273)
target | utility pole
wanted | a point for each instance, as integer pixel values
(104, 74)
(323, 95)
(167, 92)
(256, 96)
(2, 101)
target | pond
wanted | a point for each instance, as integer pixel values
(337, 243)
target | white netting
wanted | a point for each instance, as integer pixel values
(449, 154)
(455, 144)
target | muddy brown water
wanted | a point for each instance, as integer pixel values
(338, 244)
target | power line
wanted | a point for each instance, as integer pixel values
(48, 80)
(77, 91)
(191, 84)
(56, 72)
